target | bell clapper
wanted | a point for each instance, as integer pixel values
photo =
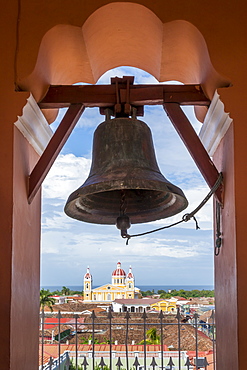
(123, 224)
(123, 221)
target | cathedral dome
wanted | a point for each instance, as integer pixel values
(119, 272)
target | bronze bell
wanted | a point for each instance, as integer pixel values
(124, 178)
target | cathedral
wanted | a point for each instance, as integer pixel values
(122, 286)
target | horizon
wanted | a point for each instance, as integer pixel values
(146, 286)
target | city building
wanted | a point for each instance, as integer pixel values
(122, 286)
(147, 304)
(165, 305)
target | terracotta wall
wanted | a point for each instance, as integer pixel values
(20, 223)
(226, 279)
(23, 28)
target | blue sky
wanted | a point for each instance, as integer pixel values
(176, 256)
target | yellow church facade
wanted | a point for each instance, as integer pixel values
(165, 305)
(121, 287)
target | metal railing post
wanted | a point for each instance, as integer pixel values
(110, 317)
(59, 338)
(161, 316)
(76, 342)
(42, 339)
(196, 335)
(127, 317)
(178, 317)
(214, 347)
(144, 316)
(93, 316)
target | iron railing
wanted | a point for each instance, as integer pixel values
(112, 358)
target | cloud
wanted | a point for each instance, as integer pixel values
(65, 176)
(158, 248)
(141, 77)
(69, 245)
(163, 258)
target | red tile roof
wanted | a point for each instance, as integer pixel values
(51, 322)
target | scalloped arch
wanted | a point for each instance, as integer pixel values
(120, 34)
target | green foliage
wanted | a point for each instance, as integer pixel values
(67, 291)
(181, 293)
(97, 367)
(46, 299)
(107, 341)
(84, 340)
(151, 337)
(73, 367)
(147, 293)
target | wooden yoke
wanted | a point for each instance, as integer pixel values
(120, 97)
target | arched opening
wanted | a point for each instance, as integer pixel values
(185, 249)
(184, 37)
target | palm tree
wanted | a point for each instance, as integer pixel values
(46, 299)
(65, 290)
(151, 337)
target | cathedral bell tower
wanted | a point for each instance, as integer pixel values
(130, 280)
(88, 282)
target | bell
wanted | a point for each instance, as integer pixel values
(124, 178)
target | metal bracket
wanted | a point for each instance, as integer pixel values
(123, 108)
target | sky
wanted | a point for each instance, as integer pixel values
(179, 255)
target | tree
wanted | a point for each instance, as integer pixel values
(147, 293)
(151, 337)
(165, 295)
(65, 291)
(84, 340)
(46, 299)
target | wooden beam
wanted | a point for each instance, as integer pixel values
(194, 146)
(53, 148)
(105, 95)
(77, 97)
